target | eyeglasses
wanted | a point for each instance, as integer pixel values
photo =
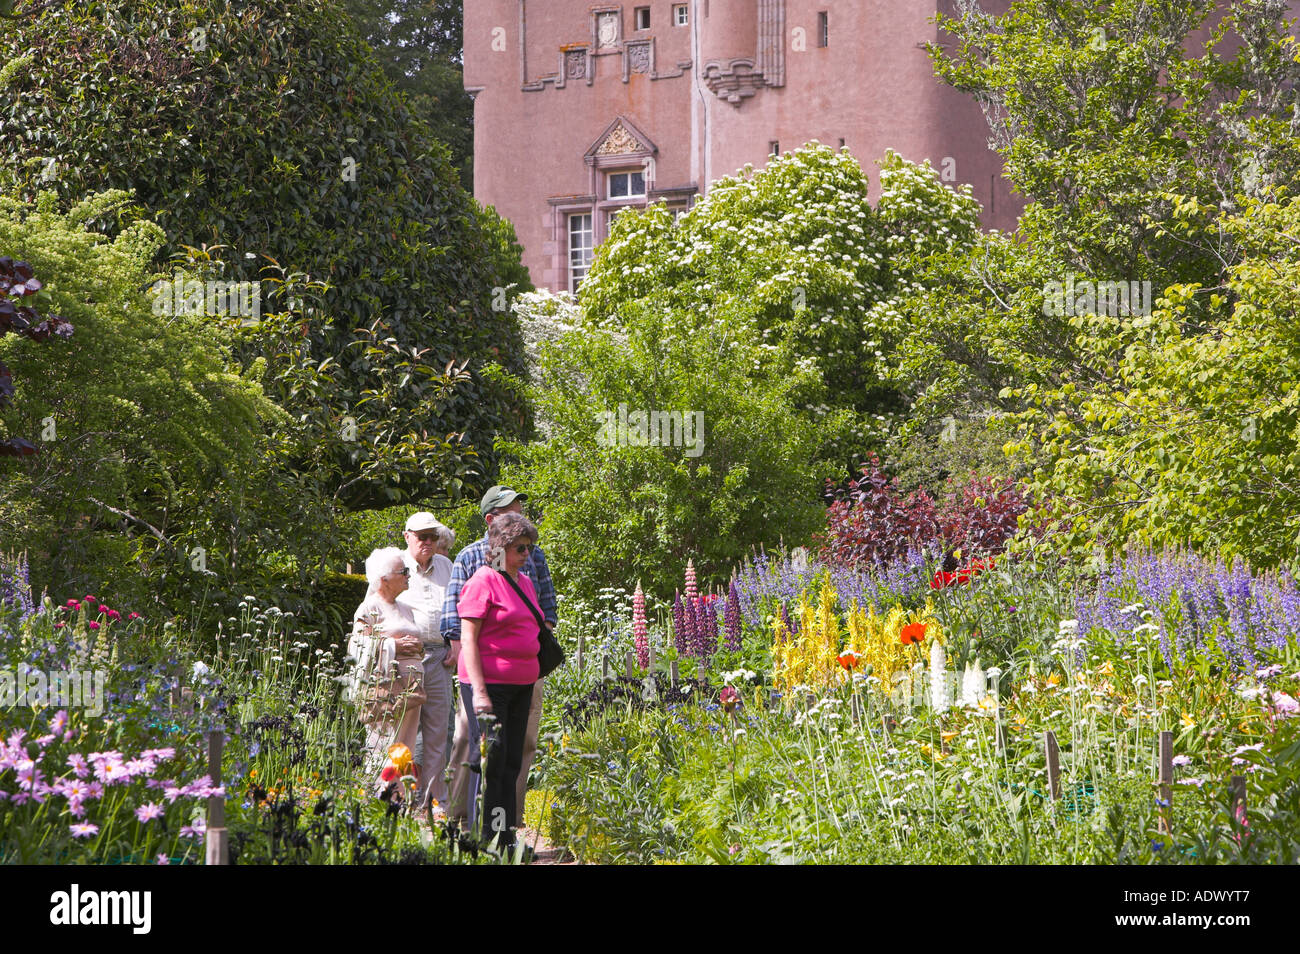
(405, 571)
(425, 537)
(524, 548)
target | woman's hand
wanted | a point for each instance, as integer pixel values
(482, 704)
(408, 645)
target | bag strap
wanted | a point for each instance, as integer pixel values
(541, 621)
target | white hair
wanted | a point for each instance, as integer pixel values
(379, 564)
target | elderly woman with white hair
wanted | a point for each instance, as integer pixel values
(388, 684)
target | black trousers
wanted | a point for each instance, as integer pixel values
(505, 756)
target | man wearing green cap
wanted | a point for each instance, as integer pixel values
(496, 501)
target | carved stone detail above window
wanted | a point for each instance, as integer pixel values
(620, 142)
(575, 64)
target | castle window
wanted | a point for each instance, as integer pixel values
(823, 29)
(681, 16)
(642, 15)
(626, 185)
(774, 148)
(580, 248)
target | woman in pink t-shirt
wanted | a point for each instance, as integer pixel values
(498, 665)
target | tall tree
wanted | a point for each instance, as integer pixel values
(268, 127)
(419, 45)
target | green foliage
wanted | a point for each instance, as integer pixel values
(742, 471)
(1129, 133)
(418, 43)
(269, 127)
(801, 266)
(143, 417)
(1196, 440)
(1101, 112)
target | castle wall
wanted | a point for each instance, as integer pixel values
(574, 102)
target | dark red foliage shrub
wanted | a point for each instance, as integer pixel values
(873, 522)
(981, 516)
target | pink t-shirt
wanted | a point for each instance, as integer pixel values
(507, 640)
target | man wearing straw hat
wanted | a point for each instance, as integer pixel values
(430, 572)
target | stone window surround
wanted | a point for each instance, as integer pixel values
(601, 167)
(564, 215)
(677, 198)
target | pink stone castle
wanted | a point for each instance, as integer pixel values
(583, 109)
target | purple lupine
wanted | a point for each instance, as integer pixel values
(706, 629)
(731, 617)
(16, 589)
(679, 625)
(689, 627)
(1194, 600)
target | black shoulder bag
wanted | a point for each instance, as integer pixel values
(550, 656)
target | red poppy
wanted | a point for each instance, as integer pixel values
(848, 659)
(389, 774)
(963, 575)
(912, 633)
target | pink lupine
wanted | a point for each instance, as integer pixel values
(692, 591)
(639, 630)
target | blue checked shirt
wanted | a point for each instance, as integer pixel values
(476, 555)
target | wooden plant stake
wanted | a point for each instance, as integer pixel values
(604, 669)
(1053, 765)
(1166, 780)
(578, 656)
(218, 851)
(672, 672)
(630, 661)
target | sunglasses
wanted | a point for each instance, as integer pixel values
(426, 536)
(404, 571)
(524, 548)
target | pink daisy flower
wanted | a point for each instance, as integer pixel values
(149, 811)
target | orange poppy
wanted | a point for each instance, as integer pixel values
(848, 659)
(912, 633)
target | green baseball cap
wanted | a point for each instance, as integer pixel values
(498, 496)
